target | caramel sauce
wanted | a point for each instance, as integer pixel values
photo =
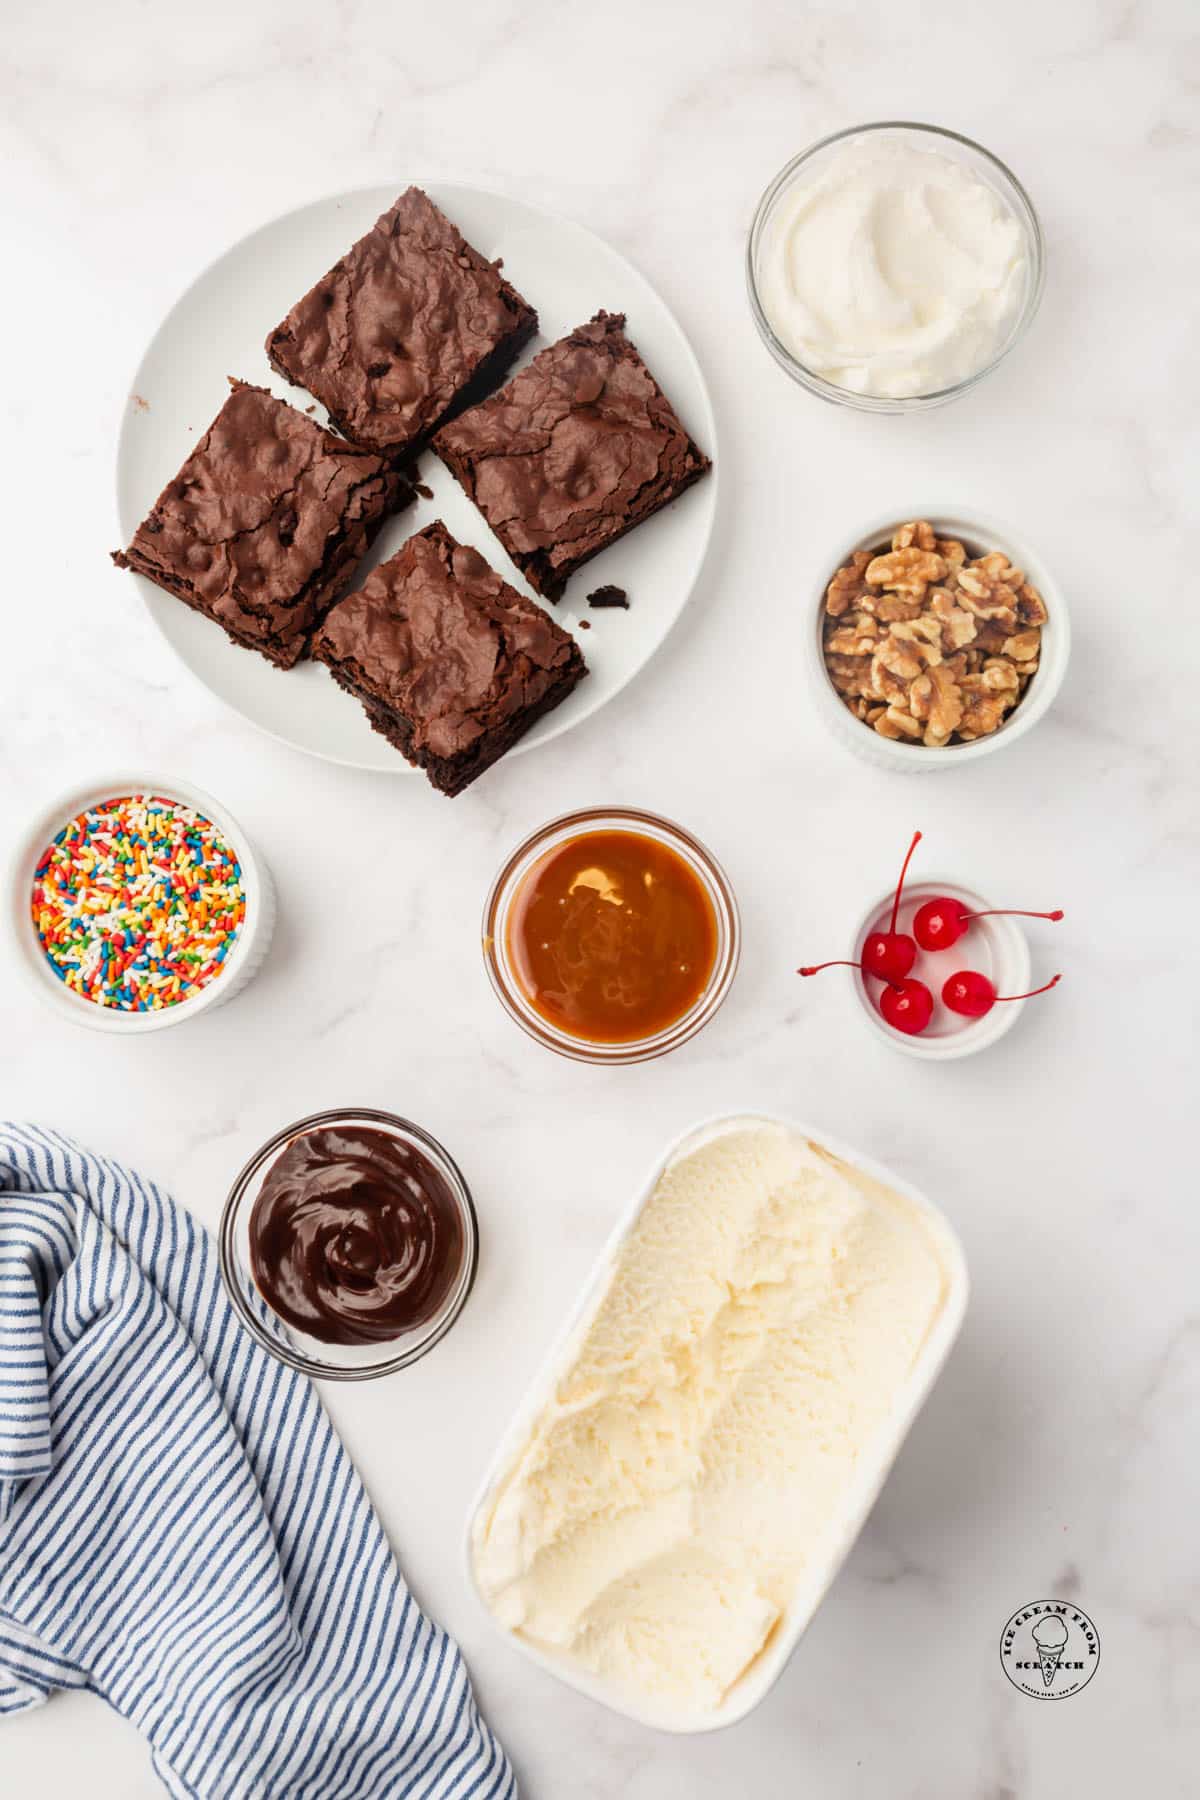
(612, 937)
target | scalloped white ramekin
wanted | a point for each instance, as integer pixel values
(253, 940)
(981, 534)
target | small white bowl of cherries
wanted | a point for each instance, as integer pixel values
(909, 968)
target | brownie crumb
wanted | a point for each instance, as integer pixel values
(585, 624)
(609, 596)
(423, 488)
(141, 405)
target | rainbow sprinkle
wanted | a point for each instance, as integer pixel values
(138, 903)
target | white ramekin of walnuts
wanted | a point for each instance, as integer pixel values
(939, 637)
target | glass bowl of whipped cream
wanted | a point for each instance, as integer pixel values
(892, 266)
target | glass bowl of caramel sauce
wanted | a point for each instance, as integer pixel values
(348, 1244)
(611, 935)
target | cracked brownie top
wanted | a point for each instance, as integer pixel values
(579, 447)
(400, 328)
(264, 524)
(435, 635)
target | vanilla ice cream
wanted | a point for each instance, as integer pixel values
(698, 1456)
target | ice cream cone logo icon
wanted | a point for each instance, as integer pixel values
(1050, 1636)
(1050, 1649)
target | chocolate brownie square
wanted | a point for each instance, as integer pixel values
(264, 525)
(451, 664)
(581, 446)
(411, 323)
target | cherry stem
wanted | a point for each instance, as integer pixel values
(900, 883)
(1012, 912)
(1053, 982)
(817, 967)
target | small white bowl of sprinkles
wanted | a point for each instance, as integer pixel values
(137, 903)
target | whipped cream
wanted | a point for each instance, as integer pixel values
(892, 271)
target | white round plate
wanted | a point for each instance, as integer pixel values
(218, 328)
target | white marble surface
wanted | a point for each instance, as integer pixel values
(1059, 1454)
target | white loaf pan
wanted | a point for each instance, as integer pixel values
(745, 1695)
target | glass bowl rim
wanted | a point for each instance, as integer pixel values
(422, 1343)
(721, 895)
(890, 403)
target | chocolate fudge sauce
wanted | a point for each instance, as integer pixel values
(355, 1236)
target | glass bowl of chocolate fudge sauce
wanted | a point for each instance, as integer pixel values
(348, 1244)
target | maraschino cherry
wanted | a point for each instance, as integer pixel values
(891, 954)
(940, 923)
(974, 996)
(906, 1004)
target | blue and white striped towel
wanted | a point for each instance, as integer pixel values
(180, 1530)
